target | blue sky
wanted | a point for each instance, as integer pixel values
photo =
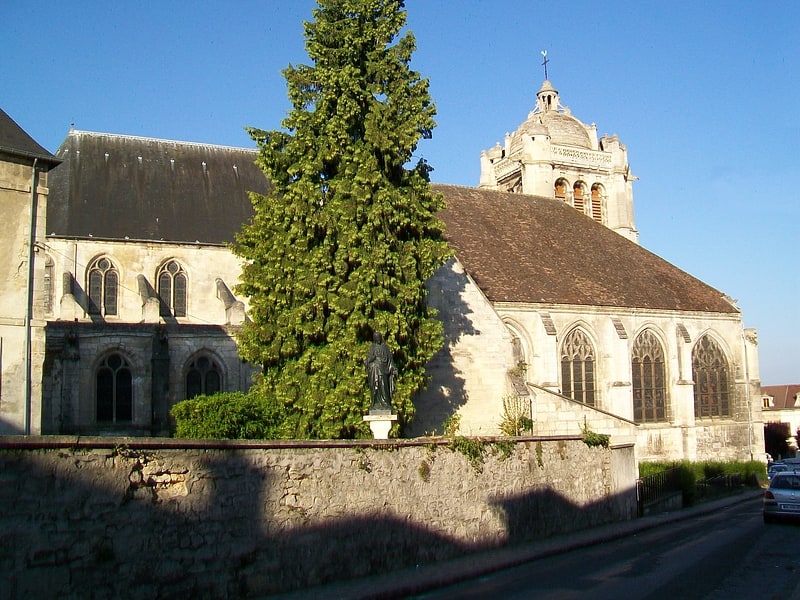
(705, 95)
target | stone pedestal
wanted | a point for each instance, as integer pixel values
(380, 424)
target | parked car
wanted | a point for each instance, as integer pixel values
(776, 467)
(782, 497)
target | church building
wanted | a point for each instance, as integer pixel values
(549, 303)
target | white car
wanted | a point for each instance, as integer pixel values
(782, 497)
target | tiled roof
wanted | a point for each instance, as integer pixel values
(117, 187)
(517, 248)
(530, 249)
(14, 141)
(783, 395)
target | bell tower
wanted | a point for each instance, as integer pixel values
(553, 154)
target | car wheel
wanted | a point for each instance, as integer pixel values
(769, 519)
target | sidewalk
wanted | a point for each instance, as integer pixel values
(408, 582)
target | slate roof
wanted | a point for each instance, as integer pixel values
(118, 187)
(529, 249)
(15, 142)
(783, 395)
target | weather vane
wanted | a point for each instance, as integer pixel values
(544, 62)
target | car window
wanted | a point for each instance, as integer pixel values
(786, 482)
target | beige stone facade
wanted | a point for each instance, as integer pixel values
(23, 195)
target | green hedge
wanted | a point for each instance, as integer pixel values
(752, 473)
(227, 416)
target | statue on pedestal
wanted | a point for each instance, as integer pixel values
(381, 375)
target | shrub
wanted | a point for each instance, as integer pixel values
(516, 416)
(751, 473)
(227, 416)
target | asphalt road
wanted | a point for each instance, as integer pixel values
(726, 554)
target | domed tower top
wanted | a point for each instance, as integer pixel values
(554, 154)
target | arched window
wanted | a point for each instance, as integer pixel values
(649, 379)
(102, 283)
(577, 367)
(114, 390)
(579, 196)
(203, 376)
(561, 189)
(172, 289)
(596, 209)
(711, 374)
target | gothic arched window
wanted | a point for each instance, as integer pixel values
(577, 367)
(172, 289)
(203, 376)
(114, 390)
(711, 374)
(649, 379)
(102, 284)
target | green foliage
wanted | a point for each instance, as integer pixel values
(347, 237)
(750, 473)
(227, 416)
(592, 439)
(516, 416)
(506, 448)
(451, 425)
(473, 449)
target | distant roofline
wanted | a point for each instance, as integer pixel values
(155, 139)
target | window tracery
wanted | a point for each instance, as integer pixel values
(203, 377)
(114, 390)
(102, 286)
(711, 375)
(172, 289)
(648, 379)
(577, 367)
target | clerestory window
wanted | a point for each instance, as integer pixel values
(102, 284)
(172, 289)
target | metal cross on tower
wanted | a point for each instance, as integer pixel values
(544, 63)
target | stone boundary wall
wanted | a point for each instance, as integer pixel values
(133, 517)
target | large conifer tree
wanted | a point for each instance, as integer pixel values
(344, 242)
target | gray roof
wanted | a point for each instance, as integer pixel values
(125, 187)
(16, 143)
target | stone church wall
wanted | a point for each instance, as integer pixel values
(126, 517)
(469, 375)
